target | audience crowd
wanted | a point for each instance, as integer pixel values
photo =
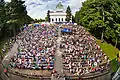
(36, 48)
(81, 53)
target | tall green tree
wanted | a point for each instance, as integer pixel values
(17, 12)
(13, 15)
(77, 18)
(3, 18)
(102, 18)
(68, 14)
(48, 16)
(73, 18)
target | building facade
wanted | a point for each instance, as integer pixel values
(59, 15)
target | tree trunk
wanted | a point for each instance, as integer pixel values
(116, 42)
(102, 35)
(10, 34)
(14, 33)
(103, 26)
(5, 33)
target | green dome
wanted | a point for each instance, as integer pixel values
(59, 6)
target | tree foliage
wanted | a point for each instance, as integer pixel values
(102, 18)
(68, 14)
(48, 16)
(13, 15)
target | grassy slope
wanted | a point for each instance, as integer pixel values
(110, 51)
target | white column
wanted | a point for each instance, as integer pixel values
(54, 19)
(64, 19)
(50, 19)
(61, 19)
(57, 20)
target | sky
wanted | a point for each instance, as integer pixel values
(38, 8)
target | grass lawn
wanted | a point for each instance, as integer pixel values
(114, 65)
(110, 51)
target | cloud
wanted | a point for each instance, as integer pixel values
(7, 0)
(75, 5)
(38, 8)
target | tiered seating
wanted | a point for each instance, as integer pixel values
(81, 54)
(37, 46)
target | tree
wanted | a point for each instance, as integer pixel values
(117, 33)
(13, 15)
(73, 18)
(48, 16)
(68, 14)
(77, 18)
(16, 13)
(2, 1)
(3, 18)
(41, 20)
(102, 18)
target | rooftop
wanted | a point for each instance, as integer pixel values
(59, 6)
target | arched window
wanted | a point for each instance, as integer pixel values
(65, 19)
(62, 19)
(52, 19)
(56, 19)
(59, 19)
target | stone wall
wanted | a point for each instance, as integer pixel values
(105, 75)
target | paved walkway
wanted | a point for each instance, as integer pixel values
(58, 63)
(10, 53)
(58, 56)
(5, 62)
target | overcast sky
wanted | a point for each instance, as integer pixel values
(38, 8)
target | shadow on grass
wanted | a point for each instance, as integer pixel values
(114, 66)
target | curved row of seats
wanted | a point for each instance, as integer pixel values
(37, 46)
(81, 54)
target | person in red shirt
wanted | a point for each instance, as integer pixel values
(5, 71)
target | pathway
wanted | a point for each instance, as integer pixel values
(10, 53)
(58, 63)
(5, 61)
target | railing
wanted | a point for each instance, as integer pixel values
(117, 75)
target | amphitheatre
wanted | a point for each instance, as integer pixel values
(57, 52)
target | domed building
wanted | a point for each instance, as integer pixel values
(59, 15)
